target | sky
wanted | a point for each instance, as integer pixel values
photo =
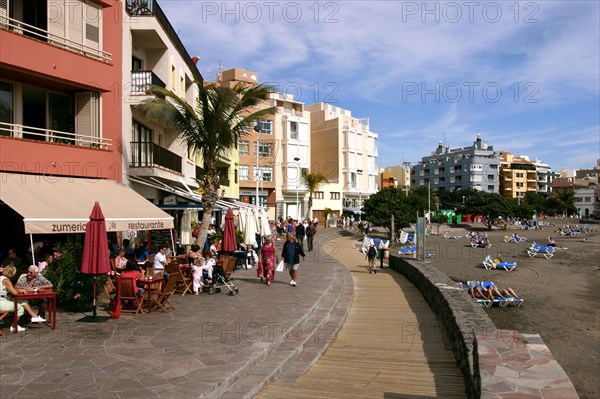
(525, 75)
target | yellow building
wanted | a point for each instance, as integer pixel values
(518, 176)
(386, 180)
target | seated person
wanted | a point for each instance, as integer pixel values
(551, 242)
(493, 291)
(129, 251)
(193, 254)
(6, 304)
(14, 260)
(132, 271)
(475, 292)
(34, 278)
(204, 263)
(160, 261)
(121, 260)
(213, 249)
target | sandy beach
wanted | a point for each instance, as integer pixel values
(561, 295)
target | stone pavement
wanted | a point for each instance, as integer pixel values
(210, 346)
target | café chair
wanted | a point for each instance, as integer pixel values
(130, 303)
(2, 316)
(163, 298)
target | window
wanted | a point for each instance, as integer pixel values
(6, 106)
(244, 147)
(244, 172)
(265, 127)
(587, 199)
(265, 173)
(263, 148)
(294, 130)
(490, 177)
(319, 195)
(490, 188)
(352, 179)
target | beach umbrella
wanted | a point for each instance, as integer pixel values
(96, 258)
(265, 227)
(185, 231)
(229, 244)
(250, 228)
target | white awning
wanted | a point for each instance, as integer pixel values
(51, 204)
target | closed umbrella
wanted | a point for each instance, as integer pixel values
(265, 227)
(250, 228)
(242, 219)
(96, 258)
(229, 243)
(185, 233)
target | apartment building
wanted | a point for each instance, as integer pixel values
(518, 176)
(586, 201)
(387, 180)
(476, 167)
(60, 121)
(156, 161)
(292, 134)
(545, 175)
(401, 175)
(251, 167)
(344, 149)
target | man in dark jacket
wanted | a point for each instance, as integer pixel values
(291, 257)
(300, 231)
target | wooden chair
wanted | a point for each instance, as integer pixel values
(186, 280)
(110, 291)
(163, 298)
(2, 316)
(228, 265)
(130, 303)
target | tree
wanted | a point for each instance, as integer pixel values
(380, 207)
(222, 115)
(567, 199)
(489, 205)
(326, 213)
(313, 181)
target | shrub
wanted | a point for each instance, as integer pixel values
(74, 289)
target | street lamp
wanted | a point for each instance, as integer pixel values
(406, 166)
(256, 173)
(297, 160)
(359, 173)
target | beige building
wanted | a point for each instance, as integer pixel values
(344, 149)
(518, 176)
(292, 133)
(401, 175)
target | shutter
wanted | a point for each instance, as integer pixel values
(87, 116)
(75, 27)
(56, 20)
(92, 13)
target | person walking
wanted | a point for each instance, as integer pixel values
(266, 261)
(291, 253)
(310, 235)
(300, 232)
(371, 255)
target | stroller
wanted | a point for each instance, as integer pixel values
(221, 276)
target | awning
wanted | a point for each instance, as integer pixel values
(355, 211)
(51, 204)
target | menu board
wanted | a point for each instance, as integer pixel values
(157, 238)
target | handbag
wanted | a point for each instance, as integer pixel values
(279, 267)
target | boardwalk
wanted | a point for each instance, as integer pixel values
(389, 347)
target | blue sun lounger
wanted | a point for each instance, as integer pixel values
(489, 263)
(545, 251)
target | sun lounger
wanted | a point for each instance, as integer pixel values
(489, 263)
(451, 237)
(545, 251)
(477, 244)
(486, 303)
(406, 251)
(514, 239)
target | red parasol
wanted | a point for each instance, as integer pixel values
(96, 258)
(229, 243)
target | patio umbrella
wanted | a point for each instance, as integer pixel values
(265, 227)
(185, 232)
(95, 260)
(250, 228)
(229, 243)
(242, 219)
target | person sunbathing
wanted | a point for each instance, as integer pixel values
(493, 291)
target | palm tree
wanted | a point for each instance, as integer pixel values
(222, 115)
(567, 198)
(312, 181)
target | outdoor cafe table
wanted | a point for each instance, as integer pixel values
(46, 293)
(147, 285)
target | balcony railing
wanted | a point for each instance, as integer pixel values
(16, 26)
(53, 136)
(141, 80)
(145, 154)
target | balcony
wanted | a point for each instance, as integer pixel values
(53, 136)
(149, 155)
(19, 27)
(140, 81)
(150, 8)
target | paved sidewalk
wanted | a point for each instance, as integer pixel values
(210, 346)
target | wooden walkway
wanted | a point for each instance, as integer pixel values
(389, 347)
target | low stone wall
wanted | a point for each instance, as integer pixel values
(460, 316)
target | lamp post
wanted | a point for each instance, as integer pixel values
(256, 173)
(406, 166)
(297, 160)
(359, 173)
